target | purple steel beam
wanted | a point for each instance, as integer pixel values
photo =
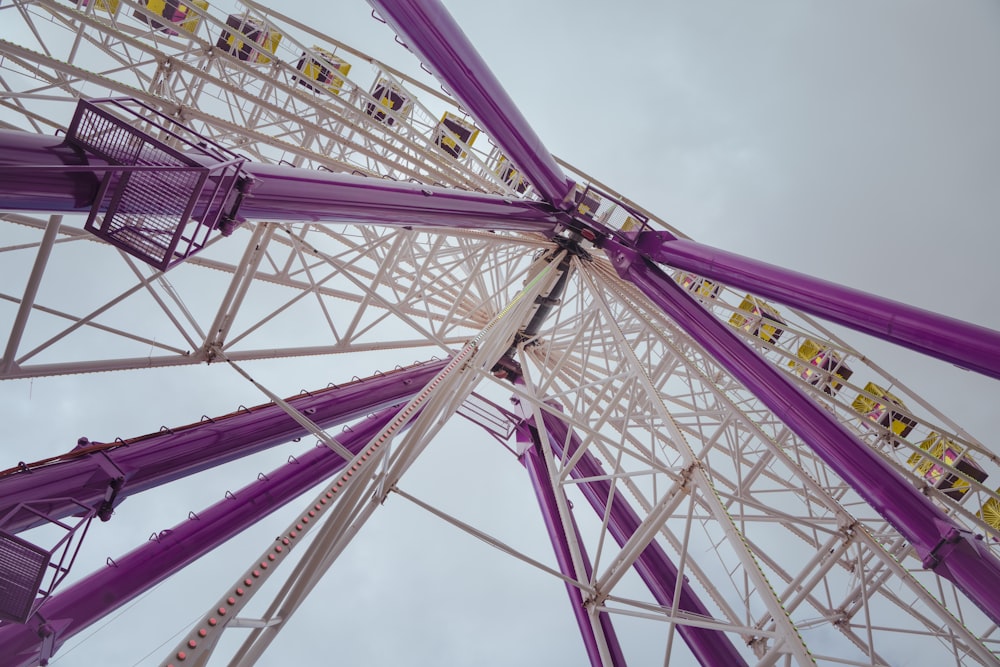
(950, 551)
(967, 345)
(283, 193)
(711, 647)
(42, 173)
(434, 37)
(535, 465)
(151, 460)
(33, 174)
(75, 608)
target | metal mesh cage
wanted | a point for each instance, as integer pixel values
(22, 568)
(160, 200)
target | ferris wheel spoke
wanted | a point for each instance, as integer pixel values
(75, 478)
(276, 193)
(966, 345)
(103, 591)
(432, 34)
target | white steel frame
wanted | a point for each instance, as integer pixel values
(718, 478)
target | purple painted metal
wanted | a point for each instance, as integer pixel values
(967, 345)
(434, 36)
(80, 605)
(534, 463)
(710, 647)
(283, 193)
(57, 487)
(950, 551)
(42, 173)
(45, 173)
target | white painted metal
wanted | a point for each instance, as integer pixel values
(30, 292)
(795, 567)
(367, 490)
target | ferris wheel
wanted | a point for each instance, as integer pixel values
(624, 440)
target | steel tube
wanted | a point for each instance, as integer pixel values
(432, 35)
(285, 193)
(149, 461)
(966, 345)
(75, 608)
(45, 173)
(32, 177)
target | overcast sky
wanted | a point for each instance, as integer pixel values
(855, 141)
